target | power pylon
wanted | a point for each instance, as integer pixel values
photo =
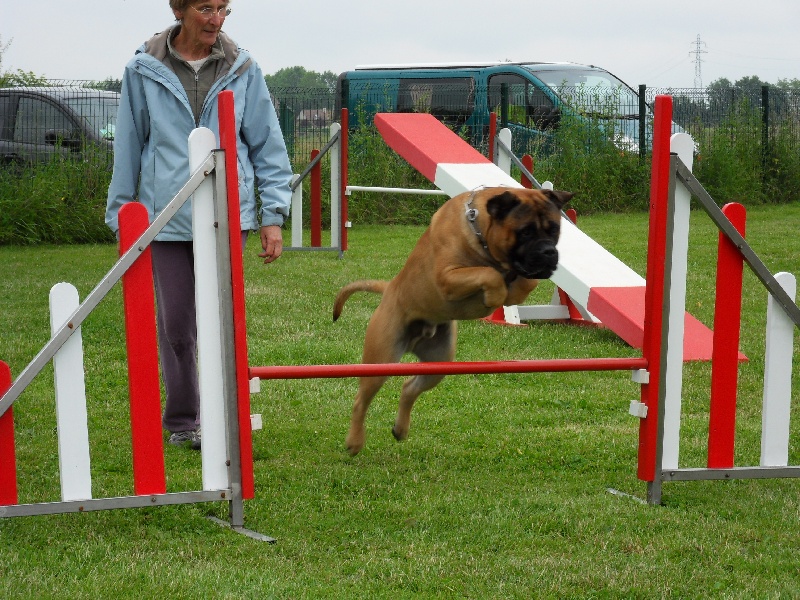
(699, 46)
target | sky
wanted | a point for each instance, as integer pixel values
(641, 42)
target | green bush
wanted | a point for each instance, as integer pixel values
(596, 165)
(61, 202)
(64, 202)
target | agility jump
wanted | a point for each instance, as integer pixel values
(658, 370)
(227, 473)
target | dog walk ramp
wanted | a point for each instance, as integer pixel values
(595, 280)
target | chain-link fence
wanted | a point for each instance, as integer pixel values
(63, 116)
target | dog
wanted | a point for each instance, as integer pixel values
(482, 250)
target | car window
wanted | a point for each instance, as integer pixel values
(5, 116)
(451, 100)
(527, 104)
(99, 114)
(35, 118)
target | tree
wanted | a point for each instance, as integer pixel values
(299, 77)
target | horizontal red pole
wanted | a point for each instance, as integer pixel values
(448, 368)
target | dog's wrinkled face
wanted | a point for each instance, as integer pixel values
(525, 228)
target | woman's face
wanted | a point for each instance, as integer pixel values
(199, 28)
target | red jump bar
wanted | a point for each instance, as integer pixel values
(448, 368)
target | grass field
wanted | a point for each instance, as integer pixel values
(501, 490)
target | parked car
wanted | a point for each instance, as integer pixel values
(39, 123)
(532, 97)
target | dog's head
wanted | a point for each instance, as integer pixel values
(523, 229)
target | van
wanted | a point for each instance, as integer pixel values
(38, 124)
(530, 98)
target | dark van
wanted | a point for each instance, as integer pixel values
(529, 97)
(38, 124)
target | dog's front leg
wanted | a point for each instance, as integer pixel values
(519, 290)
(460, 283)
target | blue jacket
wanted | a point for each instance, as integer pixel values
(154, 121)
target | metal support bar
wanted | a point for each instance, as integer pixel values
(99, 292)
(750, 257)
(704, 474)
(243, 531)
(81, 506)
(228, 346)
(314, 162)
(501, 144)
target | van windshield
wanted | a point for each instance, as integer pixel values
(591, 90)
(100, 113)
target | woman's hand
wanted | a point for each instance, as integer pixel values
(271, 242)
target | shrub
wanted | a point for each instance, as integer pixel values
(61, 202)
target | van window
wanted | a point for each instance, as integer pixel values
(592, 91)
(527, 104)
(451, 100)
(6, 103)
(35, 117)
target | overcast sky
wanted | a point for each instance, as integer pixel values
(645, 42)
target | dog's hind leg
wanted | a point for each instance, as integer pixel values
(441, 347)
(377, 350)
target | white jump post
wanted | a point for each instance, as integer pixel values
(210, 359)
(297, 209)
(336, 186)
(682, 145)
(70, 388)
(778, 379)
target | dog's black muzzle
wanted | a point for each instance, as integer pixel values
(535, 260)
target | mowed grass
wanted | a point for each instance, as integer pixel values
(501, 490)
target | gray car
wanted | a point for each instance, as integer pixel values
(40, 124)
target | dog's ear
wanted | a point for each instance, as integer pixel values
(501, 205)
(558, 198)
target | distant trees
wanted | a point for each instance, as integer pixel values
(300, 77)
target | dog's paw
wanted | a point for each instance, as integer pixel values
(353, 444)
(494, 297)
(399, 433)
(353, 450)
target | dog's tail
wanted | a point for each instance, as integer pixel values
(376, 286)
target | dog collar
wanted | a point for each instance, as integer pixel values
(472, 218)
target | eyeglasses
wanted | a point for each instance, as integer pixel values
(209, 12)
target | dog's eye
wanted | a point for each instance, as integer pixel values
(528, 232)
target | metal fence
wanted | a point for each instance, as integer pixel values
(758, 118)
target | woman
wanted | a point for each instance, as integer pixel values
(169, 88)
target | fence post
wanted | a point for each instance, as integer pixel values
(492, 134)
(642, 121)
(764, 132)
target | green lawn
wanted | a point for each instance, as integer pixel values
(501, 490)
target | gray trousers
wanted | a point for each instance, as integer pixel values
(173, 276)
